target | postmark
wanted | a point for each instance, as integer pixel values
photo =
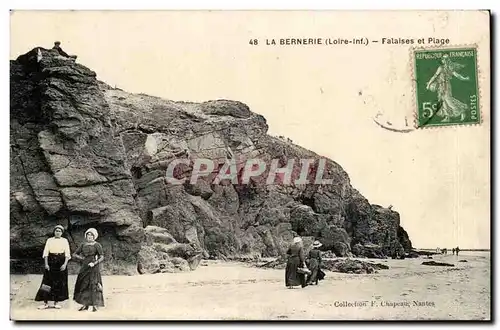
(446, 86)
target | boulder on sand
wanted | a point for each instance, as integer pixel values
(434, 263)
(350, 266)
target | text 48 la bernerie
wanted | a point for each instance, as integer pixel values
(315, 41)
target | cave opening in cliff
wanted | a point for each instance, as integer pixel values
(308, 201)
(27, 253)
(136, 172)
(81, 219)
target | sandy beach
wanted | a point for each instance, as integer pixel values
(237, 291)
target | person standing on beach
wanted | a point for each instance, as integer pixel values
(88, 287)
(457, 249)
(56, 255)
(314, 263)
(295, 261)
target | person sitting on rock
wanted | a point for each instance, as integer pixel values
(57, 46)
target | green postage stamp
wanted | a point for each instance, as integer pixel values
(446, 86)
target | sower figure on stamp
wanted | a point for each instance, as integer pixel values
(449, 107)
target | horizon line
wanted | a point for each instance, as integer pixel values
(465, 249)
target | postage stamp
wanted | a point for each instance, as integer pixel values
(446, 87)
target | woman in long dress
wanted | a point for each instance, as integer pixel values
(314, 263)
(295, 261)
(449, 107)
(56, 255)
(88, 287)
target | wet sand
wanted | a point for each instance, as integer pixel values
(236, 291)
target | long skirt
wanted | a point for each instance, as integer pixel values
(54, 285)
(315, 271)
(88, 287)
(292, 277)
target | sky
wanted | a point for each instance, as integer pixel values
(322, 97)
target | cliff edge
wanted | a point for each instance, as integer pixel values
(85, 154)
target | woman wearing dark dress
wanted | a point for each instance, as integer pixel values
(314, 263)
(88, 287)
(56, 255)
(295, 261)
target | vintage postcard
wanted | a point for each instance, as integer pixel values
(250, 165)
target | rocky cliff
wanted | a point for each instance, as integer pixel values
(85, 154)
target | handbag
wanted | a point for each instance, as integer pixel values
(45, 288)
(99, 287)
(303, 270)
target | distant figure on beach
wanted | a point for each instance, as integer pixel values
(453, 251)
(444, 251)
(295, 253)
(56, 255)
(457, 249)
(314, 263)
(88, 287)
(57, 46)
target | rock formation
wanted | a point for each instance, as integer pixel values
(434, 263)
(85, 154)
(343, 265)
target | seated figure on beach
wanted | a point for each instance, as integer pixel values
(57, 46)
